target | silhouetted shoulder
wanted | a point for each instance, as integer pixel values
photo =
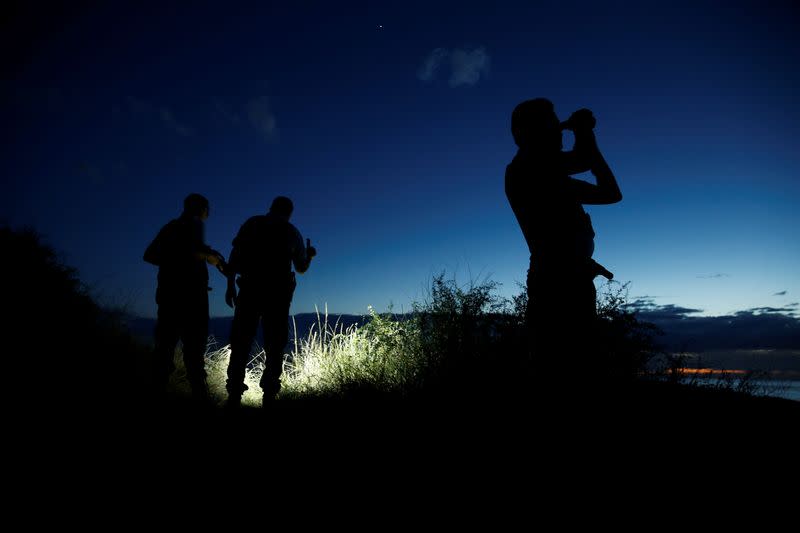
(163, 243)
(254, 221)
(294, 233)
(248, 229)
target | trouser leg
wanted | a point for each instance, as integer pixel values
(561, 319)
(195, 339)
(275, 323)
(586, 344)
(541, 320)
(243, 332)
(166, 336)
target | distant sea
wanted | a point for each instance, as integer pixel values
(779, 388)
(782, 388)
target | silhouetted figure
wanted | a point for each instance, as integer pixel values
(263, 253)
(548, 205)
(180, 252)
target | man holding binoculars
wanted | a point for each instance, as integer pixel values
(548, 204)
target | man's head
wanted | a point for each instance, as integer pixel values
(196, 205)
(282, 207)
(535, 125)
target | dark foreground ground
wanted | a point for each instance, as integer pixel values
(465, 418)
(425, 449)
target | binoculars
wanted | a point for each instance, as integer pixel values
(582, 119)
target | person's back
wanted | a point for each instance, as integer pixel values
(263, 250)
(174, 252)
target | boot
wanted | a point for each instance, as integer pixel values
(201, 396)
(235, 396)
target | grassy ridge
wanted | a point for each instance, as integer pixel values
(460, 353)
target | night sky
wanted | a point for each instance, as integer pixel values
(388, 124)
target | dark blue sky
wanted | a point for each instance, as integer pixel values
(113, 113)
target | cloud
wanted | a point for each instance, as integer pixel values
(260, 115)
(658, 312)
(467, 66)
(756, 328)
(227, 113)
(169, 121)
(788, 309)
(427, 71)
(782, 293)
(714, 276)
(163, 114)
(255, 112)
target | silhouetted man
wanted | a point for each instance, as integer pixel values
(180, 253)
(548, 205)
(263, 253)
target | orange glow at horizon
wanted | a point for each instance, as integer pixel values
(709, 371)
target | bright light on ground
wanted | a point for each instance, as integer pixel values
(327, 361)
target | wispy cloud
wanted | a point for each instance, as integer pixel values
(782, 293)
(169, 121)
(225, 111)
(256, 113)
(163, 114)
(427, 71)
(260, 116)
(467, 66)
(656, 311)
(787, 309)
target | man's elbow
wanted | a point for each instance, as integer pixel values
(606, 198)
(612, 194)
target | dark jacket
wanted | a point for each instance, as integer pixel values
(265, 249)
(174, 251)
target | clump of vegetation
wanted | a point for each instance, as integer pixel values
(462, 342)
(626, 345)
(380, 357)
(471, 340)
(52, 313)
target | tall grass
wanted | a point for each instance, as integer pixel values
(381, 356)
(331, 361)
(217, 359)
(463, 341)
